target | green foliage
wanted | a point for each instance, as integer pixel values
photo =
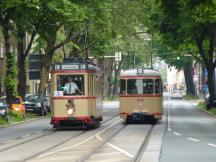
(15, 116)
(11, 74)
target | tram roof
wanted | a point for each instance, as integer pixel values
(75, 65)
(140, 72)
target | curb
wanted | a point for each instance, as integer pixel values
(25, 121)
(206, 111)
(209, 113)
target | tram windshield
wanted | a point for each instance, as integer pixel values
(158, 86)
(140, 86)
(70, 84)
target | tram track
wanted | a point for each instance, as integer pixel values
(51, 131)
(140, 152)
(101, 144)
(44, 154)
(65, 141)
(24, 142)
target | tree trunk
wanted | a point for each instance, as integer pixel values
(44, 75)
(117, 73)
(21, 65)
(210, 82)
(188, 73)
(47, 61)
(107, 70)
(10, 89)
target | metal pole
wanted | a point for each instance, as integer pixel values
(152, 51)
(134, 50)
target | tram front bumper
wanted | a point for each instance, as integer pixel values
(69, 121)
(141, 115)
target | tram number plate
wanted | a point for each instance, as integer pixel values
(71, 118)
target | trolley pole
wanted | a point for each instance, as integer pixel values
(152, 51)
(134, 48)
(134, 63)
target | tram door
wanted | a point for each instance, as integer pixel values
(91, 93)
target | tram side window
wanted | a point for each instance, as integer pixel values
(158, 86)
(71, 84)
(122, 86)
(147, 86)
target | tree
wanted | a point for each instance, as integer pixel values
(192, 24)
(57, 15)
(5, 24)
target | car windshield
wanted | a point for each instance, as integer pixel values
(177, 91)
(32, 98)
(1, 103)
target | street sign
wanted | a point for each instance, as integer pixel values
(35, 63)
(195, 78)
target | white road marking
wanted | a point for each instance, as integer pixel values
(9, 141)
(26, 135)
(169, 129)
(210, 144)
(115, 147)
(37, 132)
(193, 139)
(178, 134)
(110, 153)
(121, 150)
(75, 145)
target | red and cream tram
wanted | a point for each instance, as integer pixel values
(140, 94)
(76, 94)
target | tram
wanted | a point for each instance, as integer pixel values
(76, 94)
(141, 95)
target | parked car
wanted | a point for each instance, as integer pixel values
(176, 94)
(37, 104)
(208, 100)
(4, 109)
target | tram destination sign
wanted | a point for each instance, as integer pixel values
(68, 67)
(140, 70)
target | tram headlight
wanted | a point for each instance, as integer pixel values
(70, 111)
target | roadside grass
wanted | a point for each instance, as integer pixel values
(202, 106)
(15, 117)
(189, 97)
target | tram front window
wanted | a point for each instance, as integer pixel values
(158, 86)
(122, 86)
(140, 86)
(71, 84)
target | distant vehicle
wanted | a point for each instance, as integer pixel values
(37, 104)
(18, 105)
(4, 109)
(208, 101)
(141, 95)
(176, 94)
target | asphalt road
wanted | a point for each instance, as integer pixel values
(36, 141)
(185, 134)
(190, 135)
